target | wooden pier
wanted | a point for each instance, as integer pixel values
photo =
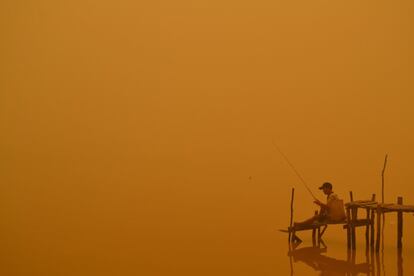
(353, 222)
(373, 210)
(378, 210)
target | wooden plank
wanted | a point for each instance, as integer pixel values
(397, 207)
(357, 223)
(310, 226)
(361, 203)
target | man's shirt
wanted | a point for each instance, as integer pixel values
(331, 197)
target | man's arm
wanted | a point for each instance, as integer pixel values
(323, 205)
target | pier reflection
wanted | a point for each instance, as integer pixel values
(318, 259)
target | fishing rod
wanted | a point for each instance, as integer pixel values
(294, 169)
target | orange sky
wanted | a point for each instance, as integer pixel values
(120, 120)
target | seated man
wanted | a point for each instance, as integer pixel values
(332, 211)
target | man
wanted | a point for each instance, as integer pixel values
(331, 211)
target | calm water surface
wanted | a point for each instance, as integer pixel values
(136, 136)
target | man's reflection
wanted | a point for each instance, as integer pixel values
(316, 258)
(312, 256)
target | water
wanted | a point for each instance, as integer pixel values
(137, 136)
(119, 233)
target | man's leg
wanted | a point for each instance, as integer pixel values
(317, 217)
(308, 221)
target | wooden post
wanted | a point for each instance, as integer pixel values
(383, 180)
(323, 231)
(314, 236)
(348, 256)
(349, 222)
(352, 221)
(354, 214)
(367, 261)
(353, 257)
(377, 246)
(378, 263)
(314, 233)
(372, 242)
(367, 229)
(319, 236)
(348, 229)
(400, 224)
(400, 271)
(291, 262)
(372, 224)
(368, 226)
(372, 264)
(291, 213)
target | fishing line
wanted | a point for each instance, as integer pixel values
(294, 169)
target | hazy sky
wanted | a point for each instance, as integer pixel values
(121, 119)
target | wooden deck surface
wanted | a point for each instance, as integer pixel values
(386, 207)
(310, 226)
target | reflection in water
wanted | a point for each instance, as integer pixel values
(312, 256)
(316, 258)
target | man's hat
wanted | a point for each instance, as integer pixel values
(325, 185)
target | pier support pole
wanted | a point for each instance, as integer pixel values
(314, 237)
(291, 214)
(354, 211)
(367, 230)
(319, 236)
(354, 214)
(400, 271)
(314, 233)
(372, 263)
(348, 229)
(372, 224)
(367, 227)
(400, 224)
(372, 237)
(378, 264)
(349, 222)
(382, 175)
(377, 245)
